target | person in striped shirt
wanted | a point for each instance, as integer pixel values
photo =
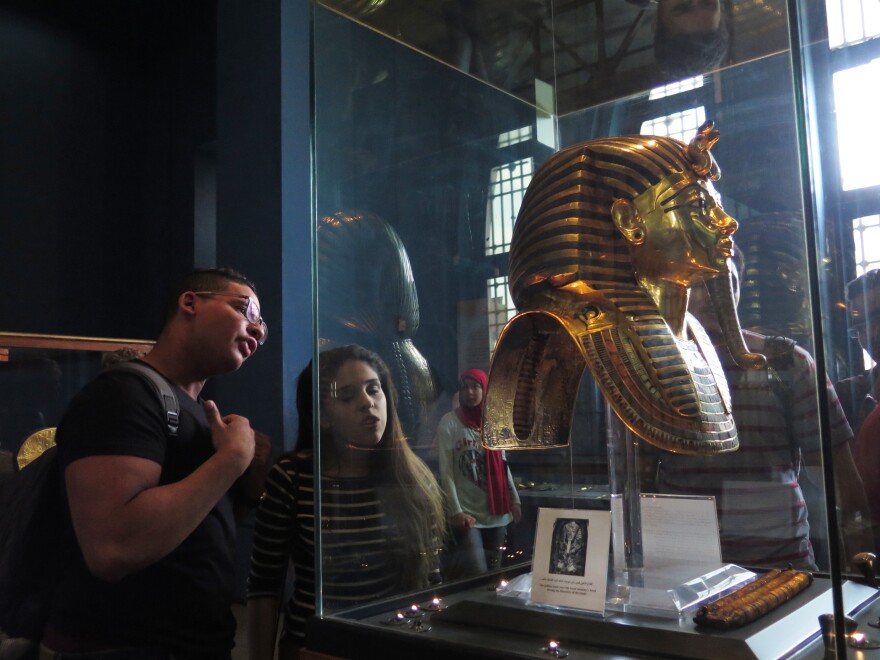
(381, 507)
(762, 512)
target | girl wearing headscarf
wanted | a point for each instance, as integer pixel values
(481, 499)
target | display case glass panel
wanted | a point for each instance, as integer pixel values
(427, 135)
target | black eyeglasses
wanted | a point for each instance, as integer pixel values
(251, 310)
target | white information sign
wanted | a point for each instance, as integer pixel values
(570, 562)
(683, 527)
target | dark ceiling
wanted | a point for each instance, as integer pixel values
(589, 51)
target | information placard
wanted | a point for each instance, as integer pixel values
(570, 565)
(679, 526)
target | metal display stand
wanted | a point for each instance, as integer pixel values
(669, 588)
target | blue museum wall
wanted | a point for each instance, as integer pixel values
(263, 223)
(140, 139)
(111, 150)
(104, 105)
(264, 195)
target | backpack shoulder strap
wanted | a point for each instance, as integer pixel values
(163, 390)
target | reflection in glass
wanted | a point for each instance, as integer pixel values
(585, 52)
(679, 125)
(425, 144)
(507, 187)
(370, 299)
(851, 21)
(866, 237)
(855, 100)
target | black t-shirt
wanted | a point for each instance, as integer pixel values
(183, 601)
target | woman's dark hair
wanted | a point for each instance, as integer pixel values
(415, 500)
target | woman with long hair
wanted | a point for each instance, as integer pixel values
(381, 508)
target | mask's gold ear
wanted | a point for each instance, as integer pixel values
(628, 221)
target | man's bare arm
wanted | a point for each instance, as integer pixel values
(125, 521)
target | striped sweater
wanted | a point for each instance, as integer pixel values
(360, 543)
(763, 517)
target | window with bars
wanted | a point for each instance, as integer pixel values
(515, 136)
(507, 186)
(685, 85)
(866, 238)
(500, 306)
(680, 125)
(856, 98)
(855, 70)
(852, 21)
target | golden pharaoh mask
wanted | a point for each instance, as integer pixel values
(610, 236)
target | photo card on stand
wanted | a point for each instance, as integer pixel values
(570, 566)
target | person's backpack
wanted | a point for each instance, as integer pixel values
(35, 539)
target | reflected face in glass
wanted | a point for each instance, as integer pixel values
(686, 232)
(355, 411)
(865, 311)
(689, 16)
(470, 393)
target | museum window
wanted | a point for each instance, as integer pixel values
(500, 307)
(852, 22)
(508, 183)
(852, 193)
(855, 64)
(515, 136)
(507, 186)
(855, 105)
(866, 237)
(678, 87)
(680, 125)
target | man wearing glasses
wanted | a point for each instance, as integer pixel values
(152, 572)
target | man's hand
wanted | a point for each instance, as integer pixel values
(232, 436)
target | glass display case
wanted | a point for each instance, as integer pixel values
(430, 121)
